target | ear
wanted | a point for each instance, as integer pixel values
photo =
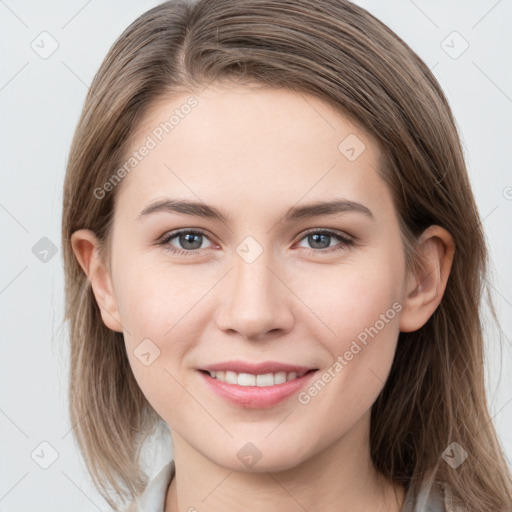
(425, 285)
(86, 248)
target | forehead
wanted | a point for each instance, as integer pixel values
(244, 145)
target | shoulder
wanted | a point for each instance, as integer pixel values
(153, 497)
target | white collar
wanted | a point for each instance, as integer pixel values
(153, 497)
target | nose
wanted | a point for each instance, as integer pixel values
(255, 301)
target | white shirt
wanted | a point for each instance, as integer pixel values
(153, 497)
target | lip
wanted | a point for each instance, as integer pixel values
(256, 368)
(256, 397)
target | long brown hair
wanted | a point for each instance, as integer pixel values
(340, 53)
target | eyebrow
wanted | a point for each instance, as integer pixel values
(199, 209)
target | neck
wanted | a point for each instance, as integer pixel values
(339, 478)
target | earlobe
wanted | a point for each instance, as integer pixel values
(426, 284)
(85, 245)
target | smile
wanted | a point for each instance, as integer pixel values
(254, 386)
(261, 380)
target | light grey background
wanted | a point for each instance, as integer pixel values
(40, 101)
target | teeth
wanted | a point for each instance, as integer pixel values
(231, 378)
(280, 377)
(247, 379)
(267, 379)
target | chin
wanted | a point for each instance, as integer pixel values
(260, 456)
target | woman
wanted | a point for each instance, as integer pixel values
(271, 246)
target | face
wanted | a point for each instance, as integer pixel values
(255, 274)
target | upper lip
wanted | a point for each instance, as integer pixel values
(256, 368)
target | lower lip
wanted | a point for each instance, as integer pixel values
(256, 397)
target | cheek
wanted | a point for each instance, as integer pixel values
(360, 310)
(352, 297)
(154, 347)
(144, 307)
(153, 299)
(160, 308)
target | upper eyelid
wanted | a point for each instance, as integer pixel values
(326, 230)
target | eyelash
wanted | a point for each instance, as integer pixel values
(345, 241)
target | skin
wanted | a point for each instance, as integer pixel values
(254, 154)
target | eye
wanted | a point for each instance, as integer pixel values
(188, 240)
(320, 240)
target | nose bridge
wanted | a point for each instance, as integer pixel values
(256, 302)
(253, 280)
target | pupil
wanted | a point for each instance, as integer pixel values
(188, 238)
(317, 239)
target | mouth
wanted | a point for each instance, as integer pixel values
(254, 386)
